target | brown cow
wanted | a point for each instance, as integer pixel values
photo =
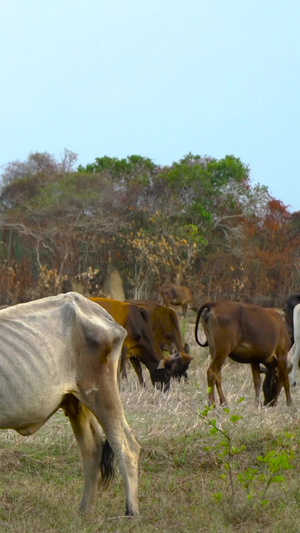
(139, 345)
(63, 352)
(166, 330)
(176, 295)
(246, 333)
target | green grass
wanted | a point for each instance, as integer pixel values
(41, 480)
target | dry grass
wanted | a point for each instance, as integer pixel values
(41, 480)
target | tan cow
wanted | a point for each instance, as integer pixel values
(63, 351)
(246, 333)
(140, 345)
(176, 295)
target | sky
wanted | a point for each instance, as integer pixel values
(156, 78)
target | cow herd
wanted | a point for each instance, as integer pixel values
(150, 329)
(69, 352)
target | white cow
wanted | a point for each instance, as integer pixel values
(63, 351)
(296, 346)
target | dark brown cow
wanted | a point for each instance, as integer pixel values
(288, 309)
(166, 330)
(246, 333)
(176, 295)
(139, 345)
(63, 352)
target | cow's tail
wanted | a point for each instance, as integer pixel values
(205, 307)
(107, 465)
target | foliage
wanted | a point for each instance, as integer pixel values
(255, 479)
(37, 163)
(198, 222)
(50, 282)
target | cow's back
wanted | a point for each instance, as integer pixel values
(117, 309)
(176, 294)
(41, 346)
(164, 323)
(246, 326)
(139, 341)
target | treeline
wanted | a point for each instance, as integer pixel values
(199, 222)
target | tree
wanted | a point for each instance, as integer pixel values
(198, 222)
(36, 163)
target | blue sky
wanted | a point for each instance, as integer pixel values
(157, 78)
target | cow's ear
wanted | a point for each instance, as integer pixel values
(188, 358)
(161, 364)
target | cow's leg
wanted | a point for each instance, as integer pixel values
(138, 369)
(214, 378)
(211, 385)
(295, 358)
(87, 434)
(219, 389)
(283, 374)
(184, 309)
(107, 407)
(123, 362)
(256, 380)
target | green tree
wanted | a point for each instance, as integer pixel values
(198, 222)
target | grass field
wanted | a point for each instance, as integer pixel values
(184, 483)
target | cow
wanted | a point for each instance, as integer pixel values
(288, 309)
(63, 352)
(139, 345)
(166, 330)
(246, 333)
(176, 295)
(296, 346)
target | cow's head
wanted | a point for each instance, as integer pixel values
(272, 384)
(176, 365)
(160, 379)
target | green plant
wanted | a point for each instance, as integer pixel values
(274, 461)
(255, 479)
